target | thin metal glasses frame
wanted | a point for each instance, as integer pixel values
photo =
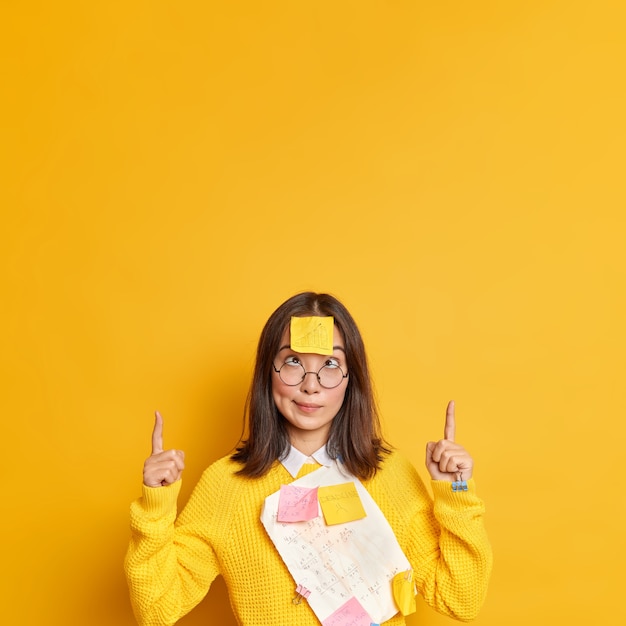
(317, 374)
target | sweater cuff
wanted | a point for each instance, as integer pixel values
(444, 494)
(156, 500)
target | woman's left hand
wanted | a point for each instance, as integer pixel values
(445, 459)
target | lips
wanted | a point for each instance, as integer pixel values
(306, 406)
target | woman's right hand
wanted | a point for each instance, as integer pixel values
(162, 467)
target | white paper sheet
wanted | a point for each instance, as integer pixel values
(336, 563)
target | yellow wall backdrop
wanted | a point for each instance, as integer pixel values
(453, 171)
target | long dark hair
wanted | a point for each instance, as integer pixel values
(355, 435)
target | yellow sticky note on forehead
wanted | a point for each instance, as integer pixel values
(312, 334)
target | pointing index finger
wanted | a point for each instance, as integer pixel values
(157, 434)
(449, 430)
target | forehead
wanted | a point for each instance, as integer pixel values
(285, 339)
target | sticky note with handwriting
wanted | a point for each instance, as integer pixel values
(312, 334)
(297, 504)
(340, 503)
(350, 614)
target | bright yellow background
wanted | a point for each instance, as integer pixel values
(453, 171)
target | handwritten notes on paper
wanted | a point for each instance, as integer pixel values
(297, 504)
(348, 560)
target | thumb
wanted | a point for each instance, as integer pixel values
(430, 448)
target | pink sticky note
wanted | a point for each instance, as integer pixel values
(297, 504)
(349, 614)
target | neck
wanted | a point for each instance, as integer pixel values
(307, 445)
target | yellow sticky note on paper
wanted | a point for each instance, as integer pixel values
(340, 503)
(404, 592)
(312, 334)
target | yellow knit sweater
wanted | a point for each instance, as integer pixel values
(171, 562)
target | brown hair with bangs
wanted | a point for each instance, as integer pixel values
(354, 437)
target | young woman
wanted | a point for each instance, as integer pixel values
(310, 412)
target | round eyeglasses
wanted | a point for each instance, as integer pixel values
(292, 373)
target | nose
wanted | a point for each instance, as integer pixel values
(310, 384)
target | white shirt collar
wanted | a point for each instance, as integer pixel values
(295, 459)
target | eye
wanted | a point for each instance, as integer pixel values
(293, 360)
(331, 363)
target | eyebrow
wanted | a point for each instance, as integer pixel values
(289, 348)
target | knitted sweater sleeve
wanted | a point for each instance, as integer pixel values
(170, 563)
(446, 541)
